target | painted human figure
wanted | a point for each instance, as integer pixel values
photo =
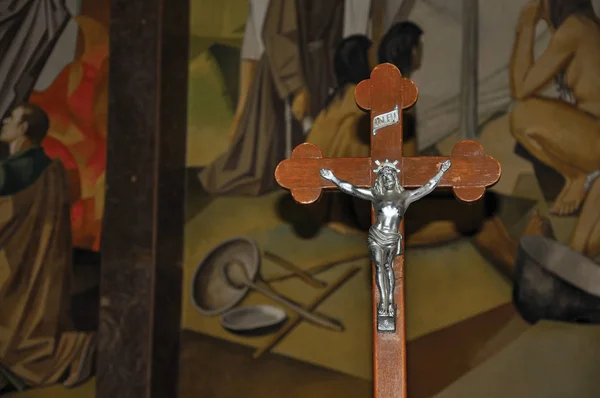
(39, 344)
(565, 133)
(562, 133)
(390, 202)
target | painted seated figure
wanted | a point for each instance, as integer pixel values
(38, 345)
(563, 133)
(339, 129)
(342, 128)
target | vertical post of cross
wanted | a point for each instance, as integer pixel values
(385, 95)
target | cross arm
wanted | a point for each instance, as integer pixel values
(427, 188)
(300, 173)
(471, 172)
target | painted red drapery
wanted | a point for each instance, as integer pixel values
(76, 105)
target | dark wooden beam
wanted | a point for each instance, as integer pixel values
(142, 239)
(470, 70)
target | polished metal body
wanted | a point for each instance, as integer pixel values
(390, 202)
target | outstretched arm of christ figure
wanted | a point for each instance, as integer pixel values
(429, 185)
(346, 187)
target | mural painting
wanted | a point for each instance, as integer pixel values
(54, 76)
(278, 295)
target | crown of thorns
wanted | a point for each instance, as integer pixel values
(386, 165)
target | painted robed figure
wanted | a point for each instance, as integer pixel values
(38, 344)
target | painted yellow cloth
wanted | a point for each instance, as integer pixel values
(342, 131)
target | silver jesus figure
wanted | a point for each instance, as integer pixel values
(390, 201)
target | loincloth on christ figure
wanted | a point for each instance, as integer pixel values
(391, 240)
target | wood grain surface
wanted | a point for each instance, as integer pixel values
(471, 172)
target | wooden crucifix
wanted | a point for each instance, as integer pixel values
(382, 178)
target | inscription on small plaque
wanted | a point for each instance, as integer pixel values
(385, 119)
